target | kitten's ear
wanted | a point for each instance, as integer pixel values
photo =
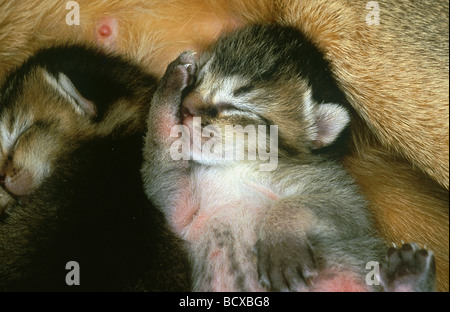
(328, 120)
(66, 88)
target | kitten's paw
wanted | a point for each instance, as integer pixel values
(409, 268)
(286, 265)
(179, 74)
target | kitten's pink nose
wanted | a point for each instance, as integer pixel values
(191, 104)
(19, 184)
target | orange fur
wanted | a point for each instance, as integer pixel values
(395, 76)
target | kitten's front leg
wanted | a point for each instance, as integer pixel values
(286, 260)
(165, 109)
(163, 175)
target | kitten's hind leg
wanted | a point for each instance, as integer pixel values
(409, 268)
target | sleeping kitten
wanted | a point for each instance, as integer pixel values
(250, 224)
(71, 128)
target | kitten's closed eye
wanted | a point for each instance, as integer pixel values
(243, 90)
(223, 106)
(21, 133)
(219, 108)
(194, 105)
(10, 137)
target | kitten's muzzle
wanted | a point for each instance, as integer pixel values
(191, 104)
(19, 184)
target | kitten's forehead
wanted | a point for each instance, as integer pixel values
(254, 52)
(5, 93)
(220, 89)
